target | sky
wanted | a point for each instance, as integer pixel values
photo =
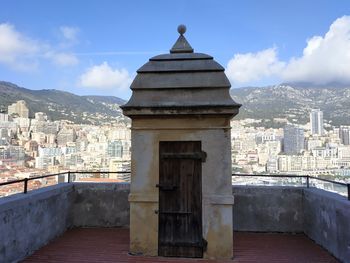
(90, 47)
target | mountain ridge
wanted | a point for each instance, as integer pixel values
(60, 105)
(267, 103)
(294, 103)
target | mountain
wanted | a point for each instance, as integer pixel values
(279, 101)
(294, 103)
(60, 105)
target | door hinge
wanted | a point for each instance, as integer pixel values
(203, 156)
(204, 244)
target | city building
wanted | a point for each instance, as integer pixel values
(254, 148)
(66, 135)
(344, 135)
(44, 162)
(40, 116)
(316, 121)
(115, 149)
(313, 143)
(293, 139)
(31, 146)
(12, 155)
(4, 117)
(19, 109)
(4, 133)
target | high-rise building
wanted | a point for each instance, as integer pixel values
(19, 108)
(316, 120)
(344, 135)
(293, 139)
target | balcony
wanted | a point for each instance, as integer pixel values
(88, 222)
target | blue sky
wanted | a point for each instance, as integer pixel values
(95, 47)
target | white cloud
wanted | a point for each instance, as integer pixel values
(63, 59)
(105, 77)
(16, 50)
(70, 33)
(243, 68)
(21, 52)
(325, 59)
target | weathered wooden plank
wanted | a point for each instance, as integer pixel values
(191, 155)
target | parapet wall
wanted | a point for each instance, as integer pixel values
(327, 221)
(29, 221)
(268, 209)
(322, 216)
(100, 205)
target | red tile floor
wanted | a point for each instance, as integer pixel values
(112, 244)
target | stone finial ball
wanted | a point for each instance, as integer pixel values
(181, 29)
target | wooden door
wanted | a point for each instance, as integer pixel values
(180, 199)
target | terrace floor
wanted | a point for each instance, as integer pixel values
(112, 244)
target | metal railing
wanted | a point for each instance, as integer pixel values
(306, 177)
(70, 174)
(69, 177)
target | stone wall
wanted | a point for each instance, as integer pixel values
(29, 221)
(100, 205)
(322, 216)
(214, 135)
(268, 209)
(327, 221)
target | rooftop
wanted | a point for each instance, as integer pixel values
(112, 245)
(88, 222)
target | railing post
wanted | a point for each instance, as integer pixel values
(25, 185)
(68, 176)
(349, 192)
(307, 181)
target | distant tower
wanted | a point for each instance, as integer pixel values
(20, 108)
(344, 135)
(316, 120)
(293, 139)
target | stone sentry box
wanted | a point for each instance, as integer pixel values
(181, 194)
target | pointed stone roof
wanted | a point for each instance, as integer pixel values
(181, 45)
(181, 82)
